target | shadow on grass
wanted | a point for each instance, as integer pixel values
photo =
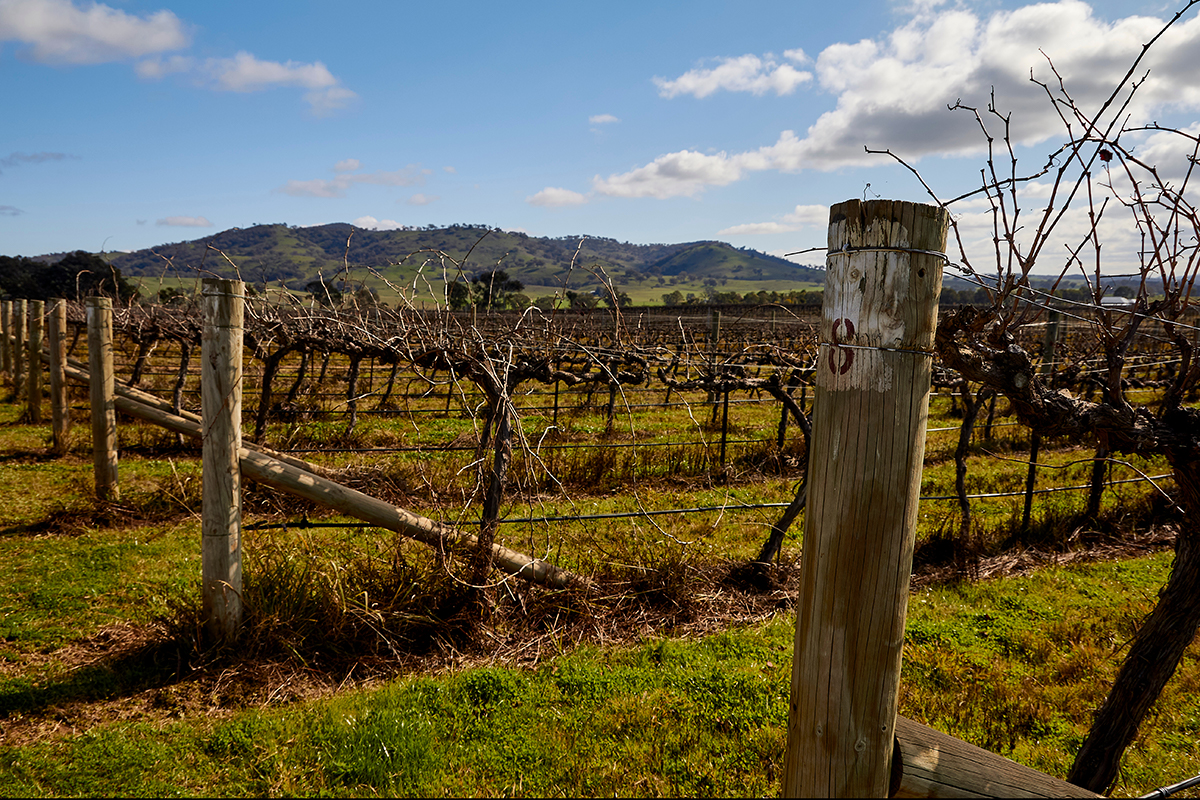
(127, 661)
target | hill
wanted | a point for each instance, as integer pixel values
(271, 253)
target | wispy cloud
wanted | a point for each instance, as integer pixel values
(602, 119)
(59, 32)
(422, 199)
(10, 211)
(412, 175)
(16, 159)
(553, 197)
(184, 222)
(748, 73)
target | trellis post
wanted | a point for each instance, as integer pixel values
(60, 416)
(101, 387)
(33, 343)
(868, 441)
(18, 350)
(6, 338)
(221, 410)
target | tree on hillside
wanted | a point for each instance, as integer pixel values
(494, 290)
(1098, 171)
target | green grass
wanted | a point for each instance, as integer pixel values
(1015, 665)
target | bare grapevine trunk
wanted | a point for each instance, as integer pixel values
(1156, 650)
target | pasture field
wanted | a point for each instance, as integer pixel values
(357, 675)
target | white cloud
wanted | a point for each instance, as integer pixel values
(370, 223)
(411, 175)
(184, 222)
(800, 217)
(747, 73)
(686, 173)
(324, 102)
(602, 119)
(156, 68)
(552, 197)
(893, 92)
(59, 32)
(422, 199)
(450, 170)
(246, 73)
(347, 165)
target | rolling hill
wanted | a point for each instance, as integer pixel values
(271, 253)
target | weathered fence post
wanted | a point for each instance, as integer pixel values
(101, 387)
(6, 338)
(18, 350)
(221, 410)
(60, 416)
(868, 441)
(33, 345)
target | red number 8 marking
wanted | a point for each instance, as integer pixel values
(839, 359)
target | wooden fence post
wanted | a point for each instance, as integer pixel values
(18, 350)
(101, 387)
(868, 441)
(6, 338)
(33, 344)
(60, 415)
(221, 410)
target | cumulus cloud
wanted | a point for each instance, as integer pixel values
(411, 175)
(62, 33)
(184, 222)
(893, 92)
(602, 119)
(422, 199)
(59, 32)
(245, 72)
(370, 223)
(684, 173)
(748, 73)
(553, 197)
(800, 217)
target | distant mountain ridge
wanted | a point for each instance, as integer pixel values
(270, 253)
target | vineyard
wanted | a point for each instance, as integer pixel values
(656, 460)
(639, 408)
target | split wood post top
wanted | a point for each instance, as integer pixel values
(868, 443)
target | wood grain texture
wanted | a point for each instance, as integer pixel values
(869, 416)
(934, 764)
(222, 303)
(100, 389)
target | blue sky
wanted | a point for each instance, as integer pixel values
(130, 124)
